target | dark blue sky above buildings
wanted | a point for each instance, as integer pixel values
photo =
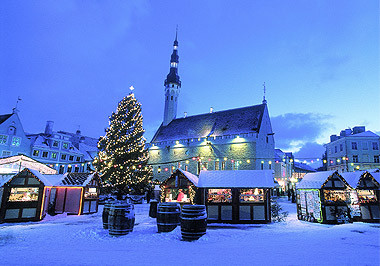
(72, 61)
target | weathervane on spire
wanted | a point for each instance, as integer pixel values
(131, 88)
(264, 101)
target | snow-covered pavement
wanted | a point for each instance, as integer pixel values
(81, 240)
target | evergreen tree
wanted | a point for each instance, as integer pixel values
(122, 158)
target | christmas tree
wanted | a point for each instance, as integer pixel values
(122, 158)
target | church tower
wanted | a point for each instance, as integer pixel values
(172, 86)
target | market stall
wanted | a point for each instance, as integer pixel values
(181, 187)
(323, 197)
(365, 202)
(76, 193)
(22, 197)
(237, 196)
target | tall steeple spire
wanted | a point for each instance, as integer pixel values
(264, 101)
(172, 85)
(173, 77)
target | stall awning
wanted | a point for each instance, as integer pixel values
(236, 179)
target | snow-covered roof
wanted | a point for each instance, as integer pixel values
(236, 179)
(228, 122)
(75, 179)
(352, 178)
(40, 177)
(4, 179)
(193, 178)
(364, 134)
(314, 180)
(376, 176)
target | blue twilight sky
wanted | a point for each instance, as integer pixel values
(72, 61)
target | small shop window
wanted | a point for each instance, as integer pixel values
(335, 196)
(219, 195)
(177, 195)
(90, 193)
(367, 196)
(252, 195)
(23, 194)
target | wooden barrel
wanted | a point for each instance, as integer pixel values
(153, 209)
(121, 218)
(193, 222)
(105, 213)
(168, 216)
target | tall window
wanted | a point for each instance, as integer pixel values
(354, 145)
(341, 147)
(375, 145)
(54, 155)
(61, 169)
(204, 165)
(63, 157)
(235, 165)
(223, 165)
(376, 159)
(36, 152)
(45, 154)
(336, 149)
(186, 167)
(65, 145)
(55, 144)
(355, 159)
(217, 165)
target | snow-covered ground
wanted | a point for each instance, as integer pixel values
(81, 240)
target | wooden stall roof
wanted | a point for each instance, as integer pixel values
(236, 179)
(318, 179)
(37, 174)
(314, 180)
(191, 177)
(66, 180)
(352, 178)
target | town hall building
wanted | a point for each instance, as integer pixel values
(235, 139)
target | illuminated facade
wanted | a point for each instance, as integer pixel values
(236, 139)
(13, 140)
(353, 150)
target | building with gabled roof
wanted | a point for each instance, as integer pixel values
(234, 139)
(13, 140)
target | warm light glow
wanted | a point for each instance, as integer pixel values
(81, 201)
(225, 158)
(187, 161)
(270, 162)
(43, 202)
(177, 142)
(248, 161)
(262, 161)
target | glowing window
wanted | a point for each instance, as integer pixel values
(23, 194)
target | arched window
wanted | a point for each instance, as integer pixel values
(11, 130)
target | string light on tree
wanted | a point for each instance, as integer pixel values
(122, 157)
